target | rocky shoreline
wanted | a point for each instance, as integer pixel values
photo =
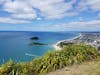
(90, 38)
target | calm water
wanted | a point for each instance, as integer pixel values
(15, 45)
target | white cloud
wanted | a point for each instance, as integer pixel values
(93, 25)
(53, 9)
(89, 4)
(3, 1)
(98, 16)
(24, 16)
(49, 9)
(39, 18)
(12, 21)
(19, 10)
(94, 4)
(17, 7)
(81, 6)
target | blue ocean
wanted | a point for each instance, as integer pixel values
(16, 44)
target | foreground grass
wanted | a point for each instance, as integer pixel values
(86, 68)
(52, 61)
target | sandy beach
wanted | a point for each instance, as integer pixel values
(56, 47)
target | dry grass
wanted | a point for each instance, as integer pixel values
(87, 68)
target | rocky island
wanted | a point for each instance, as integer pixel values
(37, 44)
(34, 38)
(90, 38)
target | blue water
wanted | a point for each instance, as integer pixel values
(15, 45)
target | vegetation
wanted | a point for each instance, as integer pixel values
(51, 61)
(62, 44)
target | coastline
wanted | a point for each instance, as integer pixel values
(92, 39)
(56, 47)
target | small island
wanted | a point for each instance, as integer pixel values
(34, 41)
(34, 38)
(37, 44)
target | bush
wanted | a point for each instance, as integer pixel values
(7, 68)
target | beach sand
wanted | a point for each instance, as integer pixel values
(56, 47)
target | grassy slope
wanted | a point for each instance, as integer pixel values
(86, 68)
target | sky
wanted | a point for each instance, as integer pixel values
(49, 15)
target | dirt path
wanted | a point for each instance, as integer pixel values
(88, 68)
